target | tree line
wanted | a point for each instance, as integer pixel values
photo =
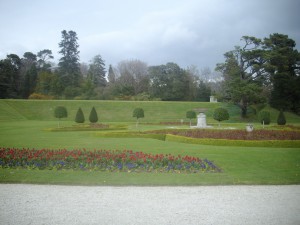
(36, 76)
(261, 71)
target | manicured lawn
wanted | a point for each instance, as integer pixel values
(240, 165)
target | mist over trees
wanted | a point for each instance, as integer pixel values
(260, 71)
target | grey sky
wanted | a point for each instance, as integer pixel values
(186, 32)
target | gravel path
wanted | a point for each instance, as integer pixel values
(50, 204)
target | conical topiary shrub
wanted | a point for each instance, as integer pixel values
(93, 116)
(281, 118)
(79, 116)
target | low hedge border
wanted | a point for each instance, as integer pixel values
(226, 142)
(89, 128)
(161, 137)
(216, 142)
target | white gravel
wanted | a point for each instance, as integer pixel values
(50, 204)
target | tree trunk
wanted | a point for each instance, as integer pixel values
(243, 106)
(137, 123)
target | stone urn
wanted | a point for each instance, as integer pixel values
(249, 128)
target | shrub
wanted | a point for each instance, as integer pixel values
(264, 117)
(60, 112)
(138, 113)
(93, 116)
(190, 115)
(221, 114)
(281, 118)
(40, 96)
(79, 116)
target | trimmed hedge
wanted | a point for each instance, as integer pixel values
(161, 137)
(226, 142)
(89, 128)
(216, 142)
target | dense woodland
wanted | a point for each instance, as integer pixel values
(259, 71)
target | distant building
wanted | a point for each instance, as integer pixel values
(213, 99)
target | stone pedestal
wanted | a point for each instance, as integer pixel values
(201, 120)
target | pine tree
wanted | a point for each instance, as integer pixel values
(111, 75)
(93, 116)
(79, 116)
(69, 69)
(97, 71)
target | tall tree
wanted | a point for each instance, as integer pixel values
(134, 75)
(111, 75)
(69, 69)
(44, 57)
(203, 92)
(169, 82)
(10, 80)
(29, 73)
(283, 65)
(244, 73)
(46, 83)
(96, 72)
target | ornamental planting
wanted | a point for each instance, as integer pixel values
(102, 160)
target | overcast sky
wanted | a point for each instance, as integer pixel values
(187, 32)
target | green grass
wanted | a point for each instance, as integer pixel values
(27, 124)
(241, 165)
(108, 111)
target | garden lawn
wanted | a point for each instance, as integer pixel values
(240, 165)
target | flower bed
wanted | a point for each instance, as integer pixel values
(234, 134)
(102, 160)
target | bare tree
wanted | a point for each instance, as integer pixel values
(135, 73)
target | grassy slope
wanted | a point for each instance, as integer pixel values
(121, 111)
(23, 124)
(108, 111)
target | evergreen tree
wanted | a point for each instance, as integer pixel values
(111, 75)
(69, 69)
(281, 118)
(29, 74)
(203, 92)
(43, 62)
(243, 74)
(283, 66)
(93, 116)
(79, 116)
(96, 72)
(10, 77)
